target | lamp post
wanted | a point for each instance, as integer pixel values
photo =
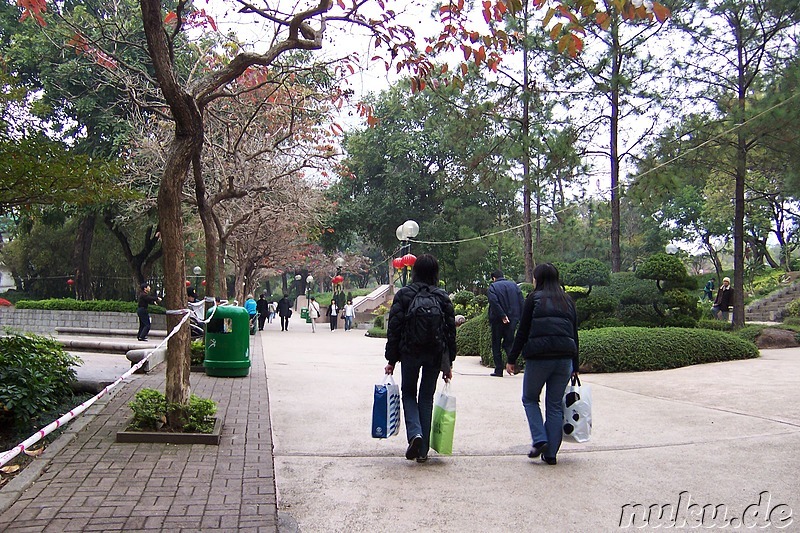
(405, 231)
(337, 282)
(297, 279)
(309, 281)
(671, 249)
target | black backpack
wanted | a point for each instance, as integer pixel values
(424, 322)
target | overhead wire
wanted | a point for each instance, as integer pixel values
(607, 190)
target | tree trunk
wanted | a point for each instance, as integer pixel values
(209, 230)
(526, 156)
(185, 147)
(616, 67)
(80, 258)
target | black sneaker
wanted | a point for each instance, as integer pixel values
(412, 452)
(537, 450)
(549, 460)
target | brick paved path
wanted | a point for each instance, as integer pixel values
(95, 484)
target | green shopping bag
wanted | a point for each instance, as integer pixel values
(443, 424)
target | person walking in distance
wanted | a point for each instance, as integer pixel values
(505, 308)
(284, 311)
(333, 314)
(548, 340)
(262, 307)
(145, 299)
(314, 313)
(421, 335)
(349, 313)
(722, 303)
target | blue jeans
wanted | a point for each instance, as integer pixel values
(502, 336)
(555, 373)
(348, 323)
(418, 409)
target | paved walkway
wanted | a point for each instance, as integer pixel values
(95, 484)
(720, 434)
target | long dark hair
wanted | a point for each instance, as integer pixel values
(546, 277)
(426, 270)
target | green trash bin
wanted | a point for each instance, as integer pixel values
(304, 312)
(228, 343)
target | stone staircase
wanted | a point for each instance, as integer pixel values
(773, 307)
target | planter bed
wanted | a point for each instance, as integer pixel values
(212, 438)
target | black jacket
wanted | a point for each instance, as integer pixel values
(724, 297)
(396, 349)
(284, 307)
(505, 299)
(262, 306)
(546, 332)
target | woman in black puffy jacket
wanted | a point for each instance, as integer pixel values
(548, 340)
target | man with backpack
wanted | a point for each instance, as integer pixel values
(505, 310)
(421, 334)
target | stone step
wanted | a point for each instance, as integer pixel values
(108, 332)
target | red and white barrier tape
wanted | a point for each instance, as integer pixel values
(36, 437)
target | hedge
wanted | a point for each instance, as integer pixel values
(70, 304)
(639, 349)
(629, 349)
(474, 337)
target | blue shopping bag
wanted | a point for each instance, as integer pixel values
(386, 409)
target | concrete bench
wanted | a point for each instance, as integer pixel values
(134, 356)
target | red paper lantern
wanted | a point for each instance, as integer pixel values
(203, 283)
(397, 263)
(70, 282)
(188, 283)
(337, 279)
(409, 259)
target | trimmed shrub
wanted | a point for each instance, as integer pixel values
(35, 377)
(717, 325)
(378, 332)
(70, 304)
(198, 352)
(526, 289)
(474, 337)
(639, 349)
(463, 298)
(793, 308)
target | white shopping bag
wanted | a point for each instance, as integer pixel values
(386, 409)
(577, 405)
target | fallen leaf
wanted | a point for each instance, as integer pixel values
(9, 469)
(34, 453)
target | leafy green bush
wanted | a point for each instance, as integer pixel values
(717, 325)
(474, 337)
(150, 408)
(378, 322)
(35, 377)
(792, 321)
(526, 289)
(636, 349)
(587, 272)
(481, 301)
(198, 352)
(793, 308)
(70, 304)
(200, 416)
(376, 331)
(608, 322)
(596, 305)
(463, 298)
